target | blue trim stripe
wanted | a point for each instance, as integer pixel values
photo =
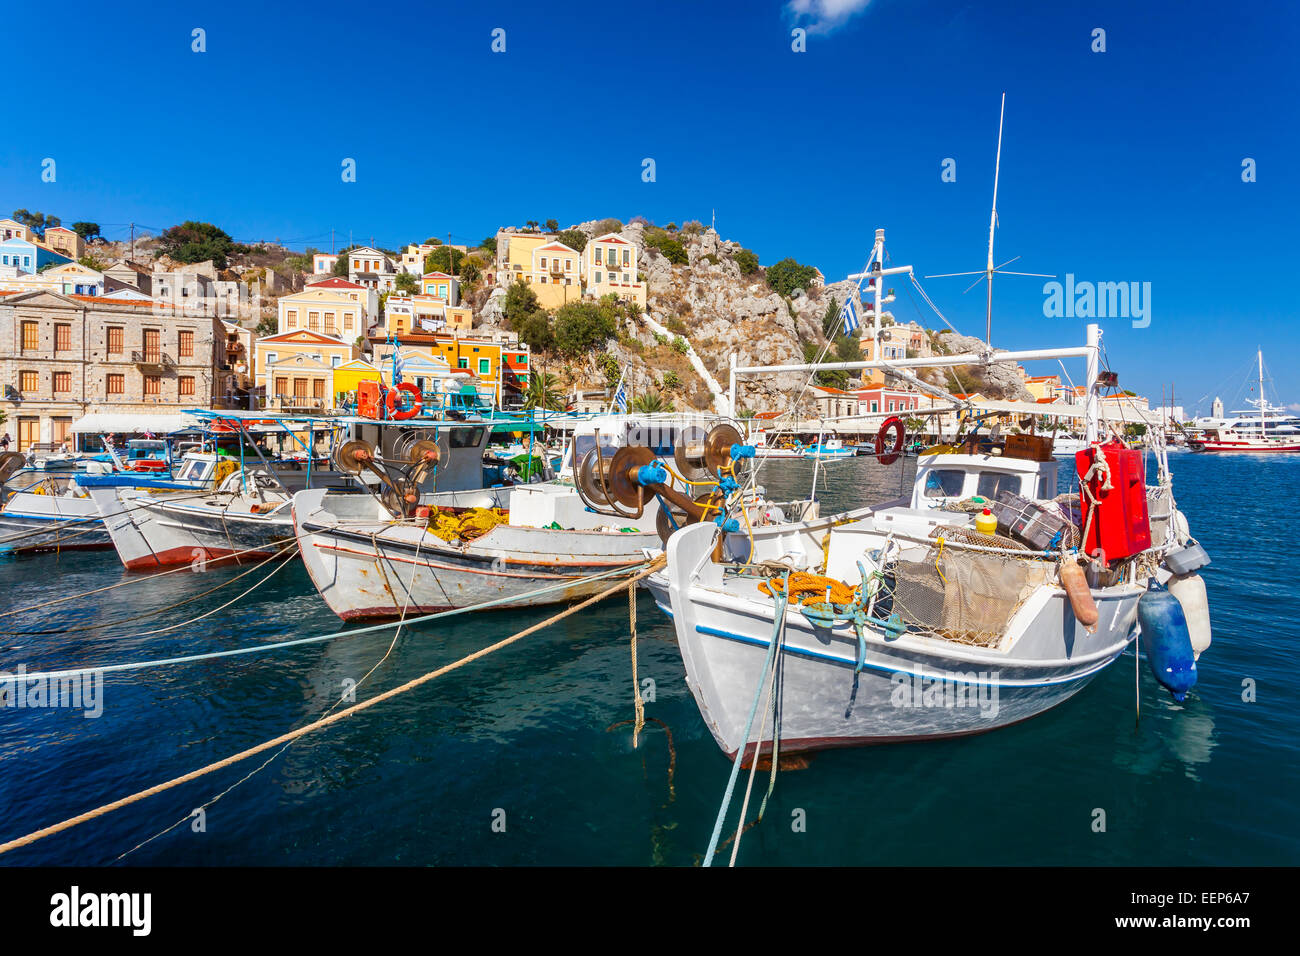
(845, 662)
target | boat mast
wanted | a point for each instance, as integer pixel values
(1260, 355)
(993, 221)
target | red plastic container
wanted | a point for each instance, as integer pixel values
(1120, 527)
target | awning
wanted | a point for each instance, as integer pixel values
(126, 423)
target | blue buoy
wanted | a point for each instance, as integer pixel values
(1166, 640)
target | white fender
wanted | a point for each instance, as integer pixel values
(1189, 589)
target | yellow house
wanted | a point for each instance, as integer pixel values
(610, 262)
(555, 273)
(1043, 386)
(439, 285)
(10, 229)
(65, 242)
(336, 311)
(459, 318)
(347, 375)
(274, 373)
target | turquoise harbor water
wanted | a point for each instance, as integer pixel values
(419, 780)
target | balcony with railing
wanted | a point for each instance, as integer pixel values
(153, 359)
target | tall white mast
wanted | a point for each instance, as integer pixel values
(1260, 355)
(993, 221)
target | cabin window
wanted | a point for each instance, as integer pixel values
(465, 437)
(944, 483)
(993, 483)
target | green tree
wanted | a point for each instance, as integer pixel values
(747, 260)
(471, 269)
(406, 283)
(787, 276)
(669, 247)
(535, 331)
(92, 262)
(37, 222)
(197, 242)
(584, 326)
(543, 392)
(444, 259)
(848, 348)
(521, 302)
(575, 239)
(612, 370)
(836, 378)
(86, 230)
(267, 325)
(552, 225)
(650, 402)
(490, 244)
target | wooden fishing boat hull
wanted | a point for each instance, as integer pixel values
(372, 567)
(909, 688)
(157, 531)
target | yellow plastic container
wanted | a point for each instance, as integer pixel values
(986, 522)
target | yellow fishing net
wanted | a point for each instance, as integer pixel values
(467, 525)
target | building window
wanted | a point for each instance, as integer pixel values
(115, 384)
(115, 340)
(185, 385)
(485, 366)
(318, 388)
(152, 345)
(598, 278)
(627, 258)
(462, 363)
(62, 337)
(63, 381)
(330, 326)
(152, 385)
(313, 321)
(347, 321)
(281, 386)
(291, 319)
(596, 254)
(31, 336)
(26, 382)
(187, 344)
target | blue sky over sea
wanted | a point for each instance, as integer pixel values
(1118, 166)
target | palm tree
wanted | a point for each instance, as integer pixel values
(650, 402)
(542, 392)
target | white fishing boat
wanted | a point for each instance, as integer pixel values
(1065, 445)
(462, 547)
(765, 448)
(915, 625)
(1263, 428)
(43, 512)
(829, 448)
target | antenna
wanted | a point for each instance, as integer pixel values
(990, 270)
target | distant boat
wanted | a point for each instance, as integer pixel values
(1262, 428)
(830, 448)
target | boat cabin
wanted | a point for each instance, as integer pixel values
(944, 479)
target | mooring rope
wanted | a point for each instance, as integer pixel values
(317, 638)
(288, 553)
(271, 759)
(326, 721)
(636, 683)
(778, 635)
(138, 580)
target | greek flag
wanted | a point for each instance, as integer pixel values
(849, 316)
(620, 398)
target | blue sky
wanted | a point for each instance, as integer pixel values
(1117, 166)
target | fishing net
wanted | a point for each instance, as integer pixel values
(1160, 510)
(967, 597)
(467, 525)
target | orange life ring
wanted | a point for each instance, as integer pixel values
(891, 456)
(392, 398)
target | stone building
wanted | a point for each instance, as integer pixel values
(105, 364)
